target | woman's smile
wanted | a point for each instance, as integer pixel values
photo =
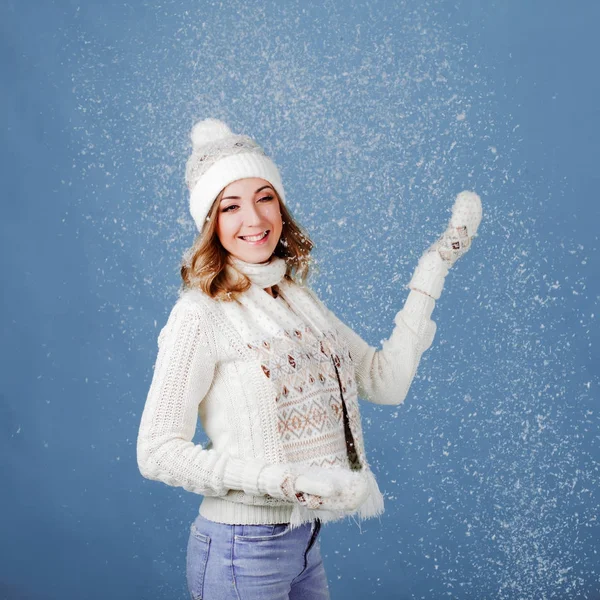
(256, 239)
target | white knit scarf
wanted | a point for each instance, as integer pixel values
(263, 275)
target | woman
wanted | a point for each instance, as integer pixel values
(275, 378)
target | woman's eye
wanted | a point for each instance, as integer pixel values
(233, 206)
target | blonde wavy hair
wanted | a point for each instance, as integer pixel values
(203, 264)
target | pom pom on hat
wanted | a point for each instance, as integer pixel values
(209, 131)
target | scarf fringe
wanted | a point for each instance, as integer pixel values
(372, 507)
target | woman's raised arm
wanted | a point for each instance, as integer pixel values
(385, 376)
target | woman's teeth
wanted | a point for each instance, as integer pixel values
(255, 238)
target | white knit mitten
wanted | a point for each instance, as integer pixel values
(435, 262)
(315, 487)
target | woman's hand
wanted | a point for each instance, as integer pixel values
(332, 488)
(435, 262)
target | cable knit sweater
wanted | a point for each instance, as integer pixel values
(273, 380)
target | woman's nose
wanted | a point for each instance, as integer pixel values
(252, 215)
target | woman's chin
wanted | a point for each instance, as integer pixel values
(255, 255)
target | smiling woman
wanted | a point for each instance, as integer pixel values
(275, 382)
(248, 201)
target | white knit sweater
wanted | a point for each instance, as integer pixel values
(273, 381)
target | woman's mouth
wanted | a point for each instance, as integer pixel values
(260, 238)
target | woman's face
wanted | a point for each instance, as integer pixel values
(248, 209)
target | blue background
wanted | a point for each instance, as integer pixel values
(378, 114)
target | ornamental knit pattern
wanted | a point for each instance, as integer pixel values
(272, 381)
(311, 413)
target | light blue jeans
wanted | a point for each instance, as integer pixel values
(255, 562)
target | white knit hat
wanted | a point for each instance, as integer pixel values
(220, 157)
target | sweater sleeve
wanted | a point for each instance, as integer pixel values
(384, 376)
(183, 374)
